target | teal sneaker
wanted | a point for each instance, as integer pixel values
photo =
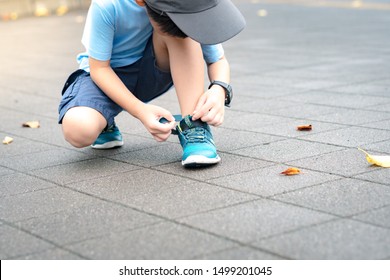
(110, 138)
(197, 142)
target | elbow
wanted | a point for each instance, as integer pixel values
(222, 59)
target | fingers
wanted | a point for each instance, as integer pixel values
(161, 131)
(163, 113)
(161, 137)
(214, 117)
(200, 108)
(151, 120)
(209, 110)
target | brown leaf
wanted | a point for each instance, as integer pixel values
(7, 140)
(291, 171)
(304, 127)
(32, 124)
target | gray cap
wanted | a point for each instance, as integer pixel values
(205, 21)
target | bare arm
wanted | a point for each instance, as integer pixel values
(107, 80)
(210, 107)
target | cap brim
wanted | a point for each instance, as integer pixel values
(211, 26)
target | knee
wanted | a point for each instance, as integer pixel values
(81, 132)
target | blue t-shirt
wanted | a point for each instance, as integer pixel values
(118, 30)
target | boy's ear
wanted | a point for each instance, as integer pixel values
(140, 2)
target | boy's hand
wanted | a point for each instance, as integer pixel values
(150, 117)
(211, 106)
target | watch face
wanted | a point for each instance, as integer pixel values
(229, 95)
(228, 91)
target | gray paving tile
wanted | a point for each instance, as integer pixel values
(252, 88)
(130, 184)
(382, 82)
(188, 200)
(5, 171)
(288, 128)
(346, 162)
(286, 150)
(343, 197)
(41, 202)
(43, 159)
(319, 84)
(253, 122)
(268, 181)
(337, 99)
(49, 132)
(378, 148)
(350, 137)
(15, 243)
(301, 110)
(153, 156)
(275, 81)
(21, 146)
(382, 107)
(378, 175)
(250, 221)
(379, 125)
(131, 143)
(29, 86)
(353, 117)
(335, 240)
(230, 164)
(228, 140)
(53, 254)
(240, 253)
(18, 183)
(84, 170)
(38, 105)
(162, 241)
(233, 118)
(369, 89)
(330, 68)
(86, 222)
(380, 217)
(263, 105)
(12, 120)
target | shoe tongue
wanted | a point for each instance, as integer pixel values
(188, 123)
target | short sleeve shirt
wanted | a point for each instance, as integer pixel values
(118, 30)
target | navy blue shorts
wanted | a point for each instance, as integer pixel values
(143, 78)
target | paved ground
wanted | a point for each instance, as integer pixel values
(300, 64)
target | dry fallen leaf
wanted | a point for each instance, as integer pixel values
(383, 161)
(305, 127)
(31, 124)
(291, 171)
(8, 140)
(262, 13)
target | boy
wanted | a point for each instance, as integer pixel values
(135, 51)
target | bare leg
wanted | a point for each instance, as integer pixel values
(184, 58)
(82, 125)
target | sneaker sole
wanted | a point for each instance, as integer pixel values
(200, 161)
(108, 145)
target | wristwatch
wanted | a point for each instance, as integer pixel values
(228, 91)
